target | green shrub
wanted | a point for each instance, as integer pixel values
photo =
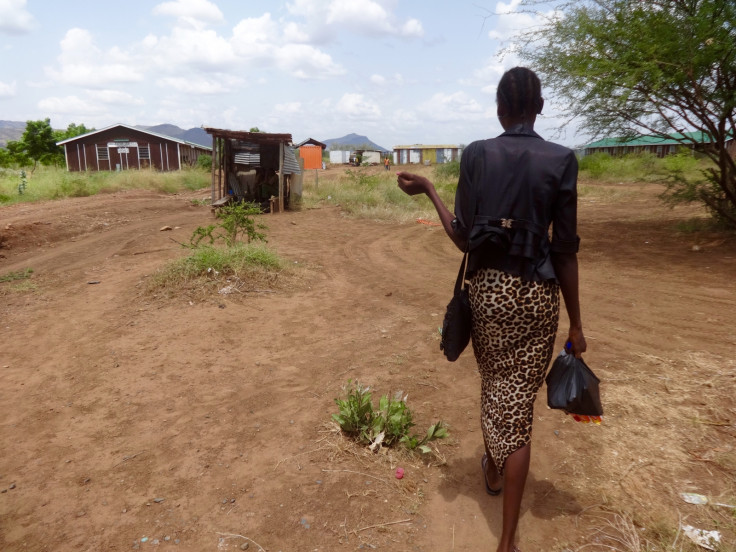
(446, 171)
(204, 162)
(385, 426)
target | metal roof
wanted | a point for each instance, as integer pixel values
(423, 146)
(311, 141)
(137, 130)
(257, 137)
(698, 137)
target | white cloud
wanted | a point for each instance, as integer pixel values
(413, 28)
(326, 19)
(114, 97)
(380, 80)
(454, 107)
(7, 90)
(217, 84)
(511, 20)
(14, 18)
(82, 63)
(70, 105)
(258, 41)
(195, 14)
(288, 108)
(201, 49)
(357, 107)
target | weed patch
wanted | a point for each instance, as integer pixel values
(386, 425)
(16, 275)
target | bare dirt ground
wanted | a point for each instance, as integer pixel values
(134, 422)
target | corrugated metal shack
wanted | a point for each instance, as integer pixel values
(426, 155)
(311, 151)
(122, 147)
(254, 166)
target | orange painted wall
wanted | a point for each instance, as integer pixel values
(312, 156)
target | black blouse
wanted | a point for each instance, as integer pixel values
(518, 184)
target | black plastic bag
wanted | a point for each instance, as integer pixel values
(573, 387)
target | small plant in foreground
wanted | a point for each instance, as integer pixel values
(236, 219)
(385, 426)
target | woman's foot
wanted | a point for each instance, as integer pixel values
(495, 478)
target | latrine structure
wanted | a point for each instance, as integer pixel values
(259, 167)
(122, 147)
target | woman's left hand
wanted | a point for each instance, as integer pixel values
(413, 184)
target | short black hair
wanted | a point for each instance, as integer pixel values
(520, 92)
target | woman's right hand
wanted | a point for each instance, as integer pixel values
(413, 184)
(576, 339)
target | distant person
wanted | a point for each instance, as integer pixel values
(513, 188)
(387, 163)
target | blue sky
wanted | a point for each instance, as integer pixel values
(397, 71)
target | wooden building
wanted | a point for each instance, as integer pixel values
(311, 151)
(426, 155)
(122, 147)
(254, 166)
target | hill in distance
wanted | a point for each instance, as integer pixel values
(351, 142)
(195, 135)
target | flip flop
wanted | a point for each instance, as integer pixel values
(483, 464)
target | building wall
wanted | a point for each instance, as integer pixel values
(423, 155)
(126, 149)
(312, 156)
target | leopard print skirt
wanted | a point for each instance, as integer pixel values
(513, 333)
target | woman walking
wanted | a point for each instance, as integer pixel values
(511, 189)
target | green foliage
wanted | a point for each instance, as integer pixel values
(447, 171)
(39, 142)
(207, 267)
(204, 162)
(238, 219)
(54, 182)
(387, 425)
(17, 275)
(362, 177)
(235, 220)
(626, 67)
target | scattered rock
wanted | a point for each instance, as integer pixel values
(245, 546)
(696, 248)
(12, 486)
(81, 513)
(167, 538)
(165, 228)
(158, 500)
(93, 282)
(224, 500)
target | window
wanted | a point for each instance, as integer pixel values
(144, 153)
(102, 153)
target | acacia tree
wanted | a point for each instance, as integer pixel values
(662, 67)
(38, 141)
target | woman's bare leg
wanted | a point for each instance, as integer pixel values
(515, 472)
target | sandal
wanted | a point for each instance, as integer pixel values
(483, 464)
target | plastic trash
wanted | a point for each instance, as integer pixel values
(695, 498)
(705, 539)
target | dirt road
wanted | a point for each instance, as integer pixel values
(133, 422)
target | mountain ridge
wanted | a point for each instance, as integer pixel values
(354, 141)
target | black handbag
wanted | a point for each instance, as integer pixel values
(458, 318)
(573, 387)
